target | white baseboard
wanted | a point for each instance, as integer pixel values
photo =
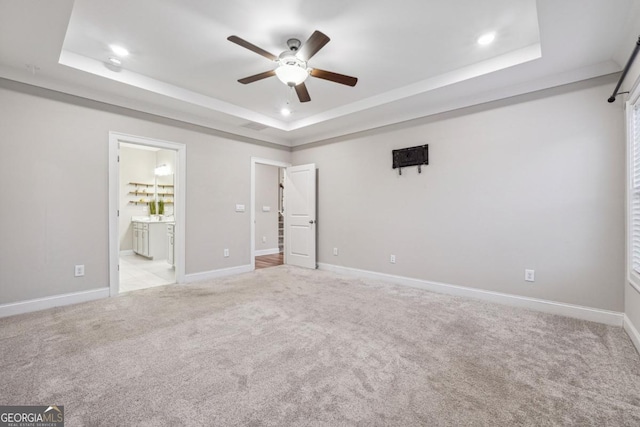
(267, 251)
(632, 332)
(569, 310)
(126, 252)
(213, 274)
(37, 304)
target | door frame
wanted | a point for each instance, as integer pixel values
(254, 161)
(115, 138)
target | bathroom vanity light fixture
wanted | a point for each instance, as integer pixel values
(162, 170)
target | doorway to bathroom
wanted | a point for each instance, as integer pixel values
(147, 217)
(147, 213)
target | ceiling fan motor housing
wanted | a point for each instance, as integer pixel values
(293, 44)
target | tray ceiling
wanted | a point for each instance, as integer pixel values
(411, 61)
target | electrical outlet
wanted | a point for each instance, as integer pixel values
(392, 259)
(226, 253)
(79, 270)
(264, 239)
(335, 251)
(530, 275)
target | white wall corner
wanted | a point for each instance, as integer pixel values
(606, 317)
(633, 333)
(214, 274)
(38, 304)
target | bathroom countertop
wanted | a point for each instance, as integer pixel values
(168, 220)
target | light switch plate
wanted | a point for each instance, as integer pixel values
(79, 270)
(239, 208)
(266, 209)
(530, 275)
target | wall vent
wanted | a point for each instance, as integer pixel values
(254, 126)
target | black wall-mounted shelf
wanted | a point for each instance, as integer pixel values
(412, 156)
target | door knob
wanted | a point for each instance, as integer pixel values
(311, 221)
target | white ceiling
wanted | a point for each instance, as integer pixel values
(412, 58)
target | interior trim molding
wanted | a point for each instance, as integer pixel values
(214, 274)
(37, 304)
(76, 96)
(606, 317)
(272, 251)
(599, 75)
(632, 332)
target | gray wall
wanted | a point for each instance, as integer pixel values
(531, 182)
(55, 176)
(266, 195)
(534, 182)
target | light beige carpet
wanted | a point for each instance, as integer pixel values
(286, 346)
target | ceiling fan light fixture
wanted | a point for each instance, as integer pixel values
(292, 67)
(291, 75)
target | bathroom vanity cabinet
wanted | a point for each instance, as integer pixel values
(150, 239)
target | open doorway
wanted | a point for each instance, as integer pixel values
(267, 213)
(146, 213)
(147, 217)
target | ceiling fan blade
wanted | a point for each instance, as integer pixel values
(312, 46)
(303, 93)
(241, 42)
(257, 77)
(334, 77)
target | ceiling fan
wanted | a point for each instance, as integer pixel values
(292, 64)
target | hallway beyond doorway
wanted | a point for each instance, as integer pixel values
(266, 261)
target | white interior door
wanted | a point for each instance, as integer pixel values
(300, 216)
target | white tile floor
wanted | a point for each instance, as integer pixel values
(138, 272)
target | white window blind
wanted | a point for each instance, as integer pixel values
(635, 191)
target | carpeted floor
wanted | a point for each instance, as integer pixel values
(287, 346)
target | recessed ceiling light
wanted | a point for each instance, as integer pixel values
(119, 50)
(486, 39)
(115, 61)
(285, 112)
